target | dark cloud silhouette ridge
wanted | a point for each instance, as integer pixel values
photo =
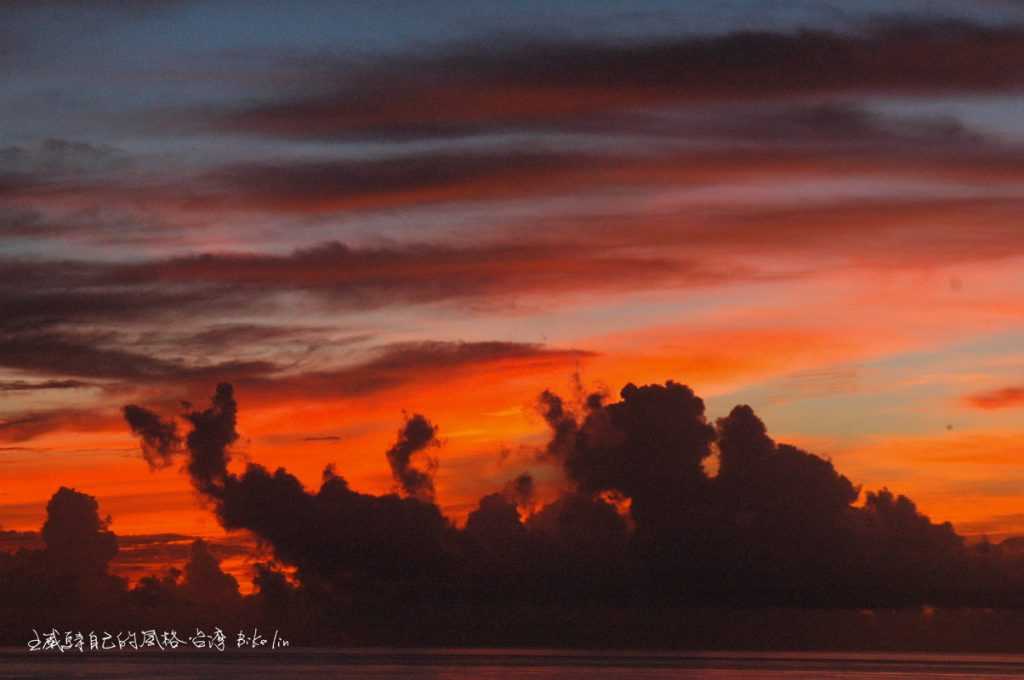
(641, 525)
(640, 515)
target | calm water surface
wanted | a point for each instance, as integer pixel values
(385, 664)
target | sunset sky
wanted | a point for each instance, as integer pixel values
(362, 211)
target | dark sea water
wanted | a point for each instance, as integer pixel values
(385, 664)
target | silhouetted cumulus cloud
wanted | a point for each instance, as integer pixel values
(71, 572)
(562, 423)
(521, 490)
(640, 530)
(333, 532)
(213, 431)
(204, 581)
(775, 525)
(649, 446)
(66, 584)
(640, 517)
(76, 536)
(160, 440)
(415, 437)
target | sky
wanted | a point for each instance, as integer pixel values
(356, 213)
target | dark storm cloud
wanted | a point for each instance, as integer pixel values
(521, 490)
(213, 431)
(204, 581)
(535, 83)
(642, 525)
(649, 446)
(496, 528)
(75, 534)
(580, 529)
(326, 533)
(160, 439)
(562, 423)
(414, 438)
(743, 442)
(64, 570)
(777, 525)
